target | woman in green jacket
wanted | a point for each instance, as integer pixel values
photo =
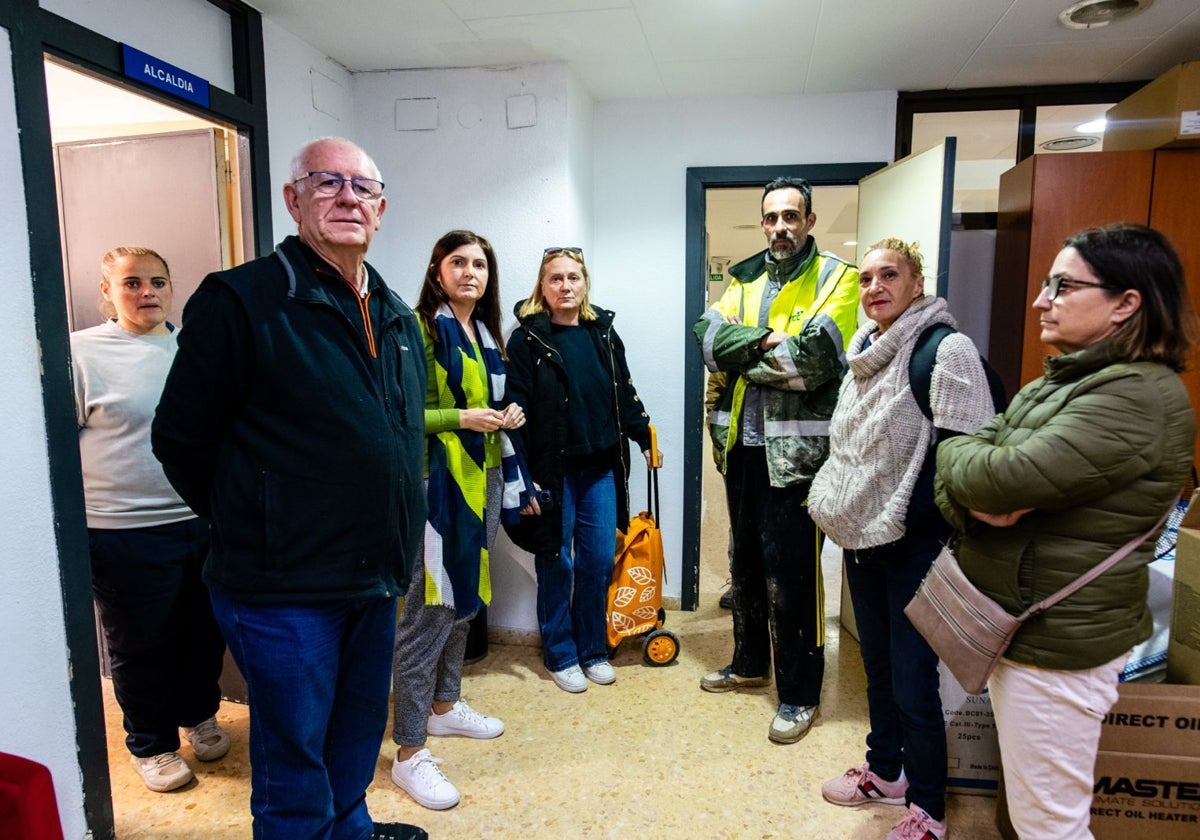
(1086, 458)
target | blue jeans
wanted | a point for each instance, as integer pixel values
(572, 596)
(903, 702)
(317, 676)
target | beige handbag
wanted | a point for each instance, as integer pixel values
(967, 629)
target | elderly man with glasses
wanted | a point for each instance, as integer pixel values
(293, 419)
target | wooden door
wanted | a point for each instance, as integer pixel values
(1175, 212)
(1044, 199)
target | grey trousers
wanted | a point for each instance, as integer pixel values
(427, 663)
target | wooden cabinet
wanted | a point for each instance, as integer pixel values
(1045, 198)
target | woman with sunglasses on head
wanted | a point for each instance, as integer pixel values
(473, 478)
(568, 371)
(1085, 460)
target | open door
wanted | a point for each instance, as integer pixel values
(913, 200)
(164, 191)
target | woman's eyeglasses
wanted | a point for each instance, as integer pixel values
(1055, 284)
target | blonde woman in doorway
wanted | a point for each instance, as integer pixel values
(147, 547)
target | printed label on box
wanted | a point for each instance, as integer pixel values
(1189, 122)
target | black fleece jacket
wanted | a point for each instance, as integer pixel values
(537, 381)
(293, 418)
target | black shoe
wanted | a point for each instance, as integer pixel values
(726, 600)
(399, 831)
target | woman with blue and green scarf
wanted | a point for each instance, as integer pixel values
(474, 478)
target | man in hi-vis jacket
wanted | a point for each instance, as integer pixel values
(780, 332)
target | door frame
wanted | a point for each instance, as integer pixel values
(38, 32)
(698, 179)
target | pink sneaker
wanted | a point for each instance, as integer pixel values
(918, 825)
(858, 786)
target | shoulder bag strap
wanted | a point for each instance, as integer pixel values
(1083, 580)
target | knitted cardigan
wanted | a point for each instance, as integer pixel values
(879, 438)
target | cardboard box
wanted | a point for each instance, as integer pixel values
(1183, 647)
(972, 749)
(1162, 115)
(1148, 768)
(1147, 780)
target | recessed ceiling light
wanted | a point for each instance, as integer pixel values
(1067, 144)
(850, 243)
(1092, 14)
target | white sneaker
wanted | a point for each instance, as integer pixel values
(462, 720)
(208, 739)
(601, 672)
(163, 772)
(422, 779)
(570, 679)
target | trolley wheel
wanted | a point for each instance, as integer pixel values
(660, 648)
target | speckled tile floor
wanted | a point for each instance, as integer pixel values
(651, 756)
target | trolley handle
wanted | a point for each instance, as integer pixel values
(652, 476)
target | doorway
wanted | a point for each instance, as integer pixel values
(697, 457)
(132, 170)
(732, 233)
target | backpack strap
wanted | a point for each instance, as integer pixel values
(920, 364)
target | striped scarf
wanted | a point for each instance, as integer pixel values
(456, 550)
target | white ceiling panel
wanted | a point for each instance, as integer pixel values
(921, 51)
(1036, 22)
(1027, 65)
(637, 48)
(691, 30)
(607, 35)
(474, 9)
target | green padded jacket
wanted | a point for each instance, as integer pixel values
(1100, 449)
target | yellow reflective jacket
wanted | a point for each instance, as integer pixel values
(799, 377)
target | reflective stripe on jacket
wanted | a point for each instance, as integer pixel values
(799, 377)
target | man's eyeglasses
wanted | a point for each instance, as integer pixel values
(564, 249)
(330, 183)
(1054, 285)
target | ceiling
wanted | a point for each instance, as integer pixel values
(621, 49)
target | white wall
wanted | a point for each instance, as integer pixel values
(308, 96)
(643, 149)
(35, 701)
(523, 188)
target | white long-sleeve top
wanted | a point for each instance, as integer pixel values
(119, 378)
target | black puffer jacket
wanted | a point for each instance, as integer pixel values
(298, 431)
(537, 381)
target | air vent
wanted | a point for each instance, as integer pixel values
(1067, 144)
(1092, 14)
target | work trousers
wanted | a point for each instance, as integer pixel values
(778, 592)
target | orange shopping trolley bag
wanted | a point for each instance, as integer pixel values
(635, 594)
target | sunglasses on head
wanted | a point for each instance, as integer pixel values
(564, 249)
